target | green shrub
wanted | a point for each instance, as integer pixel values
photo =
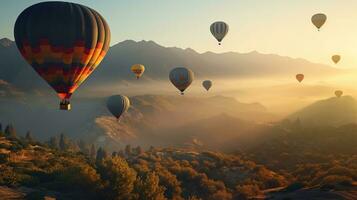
(4, 158)
(294, 186)
(36, 195)
(336, 180)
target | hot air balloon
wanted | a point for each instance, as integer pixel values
(138, 70)
(219, 30)
(318, 20)
(63, 42)
(207, 84)
(117, 105)
(300, 77)
(338, 93)
(336, 58)
(181, 78)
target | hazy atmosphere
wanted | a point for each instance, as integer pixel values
(154, 100)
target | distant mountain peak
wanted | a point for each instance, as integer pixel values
(142, 43)
(190, 50)
(6, 42)
(332, 111)
(254, 52)
(126, 43)
(148, 42)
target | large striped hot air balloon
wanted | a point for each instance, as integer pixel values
(63, 42)
(181, 78)
(219, 30)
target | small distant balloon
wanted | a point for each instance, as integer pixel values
(117, 105)
(300, 77)
(181, 78)
(338, 93)
(219, 30)
(138, 70)
(336, 58)
(207, 84)
(319, 20)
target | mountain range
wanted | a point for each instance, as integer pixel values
(159, 119)
(159, 60)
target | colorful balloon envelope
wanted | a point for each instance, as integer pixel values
(336, 58)
(338, 93)
(138, 70)
(63, 42)
(219, 30)
(117, 105)
(300, 77)
(319, 20)
(207, 84)
(181, 78)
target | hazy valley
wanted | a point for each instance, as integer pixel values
(256, 134)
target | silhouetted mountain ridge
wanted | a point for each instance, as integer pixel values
(159, 60)
(331, 112)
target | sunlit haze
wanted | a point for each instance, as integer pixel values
(277, 26)
(178, 99)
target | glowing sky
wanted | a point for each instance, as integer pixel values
(269, 26)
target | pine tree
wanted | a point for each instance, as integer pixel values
(10, 131)
(139, 150)
(105, 154)
(152, 149)
(128, 150)
(114, 154)
(92, 153)
(54, 142)
(149, 188)
(1, 132)
(63, 143)
(120, 176)
(121, 153)
(29, 137)
(83, 146)
(101, 155)
(73, 146)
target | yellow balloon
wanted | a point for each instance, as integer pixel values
(138, 70)
(336, 58)
(319, 20)
(338, 93)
